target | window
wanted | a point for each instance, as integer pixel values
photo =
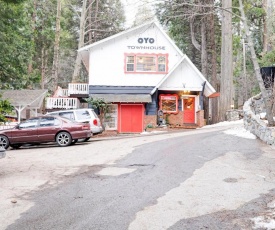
(161, 64)
(31, 123)
(146, 63)
(169, 103)
(47, 121)
(130, 63)
(82, 114)
(69, 115)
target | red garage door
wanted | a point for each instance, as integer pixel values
(131, 118)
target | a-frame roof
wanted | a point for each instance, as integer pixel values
(209, 90)
(24, 98)
(148, 24)
(84, 51)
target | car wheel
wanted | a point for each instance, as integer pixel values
(86, 139)
(4, 142)
(16, 146)
(63, 139)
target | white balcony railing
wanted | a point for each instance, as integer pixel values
(78, 88)
(65, 92)
(62, 103)
(8, 125)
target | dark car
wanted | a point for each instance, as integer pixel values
(43, 129)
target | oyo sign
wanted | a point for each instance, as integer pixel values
(146, 40)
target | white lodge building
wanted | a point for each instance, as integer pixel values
(140, 72)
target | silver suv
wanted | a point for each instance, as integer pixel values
(81, 115)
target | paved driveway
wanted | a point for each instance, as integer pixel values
(27, 171)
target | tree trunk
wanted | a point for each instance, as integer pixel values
(204, 66)
(42, 69)
(214, 80)
(91, 33)
(44, 65)
(265, 38)
(96, 20)
(226, 60)
(256, 66)
(54, 82)
(30, 66)
(203, 49)
(77, 66)
(194, 41)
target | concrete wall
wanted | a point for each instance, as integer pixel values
(255, 122)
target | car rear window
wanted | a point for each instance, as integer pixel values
(69, 115)
(95, 115)
(83, 114)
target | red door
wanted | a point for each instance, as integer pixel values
(131, 118)
(189, 110)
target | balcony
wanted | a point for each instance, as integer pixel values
(62, 103)
(65, 92)
(78, 90)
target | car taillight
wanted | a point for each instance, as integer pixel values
(95, 122)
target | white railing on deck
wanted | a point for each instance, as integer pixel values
(8, 125)
(78, 88)
(62, 103)
(65, 93)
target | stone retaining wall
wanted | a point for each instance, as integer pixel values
(255, 122)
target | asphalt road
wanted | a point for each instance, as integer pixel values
(203, 180)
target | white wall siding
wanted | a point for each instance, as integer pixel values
(107, 59)
(184, 77)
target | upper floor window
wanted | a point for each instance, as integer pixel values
(146, 63)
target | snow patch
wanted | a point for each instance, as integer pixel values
(224, 123)
(240, 132)
(261, 222)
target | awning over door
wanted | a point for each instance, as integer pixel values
(126, 94)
